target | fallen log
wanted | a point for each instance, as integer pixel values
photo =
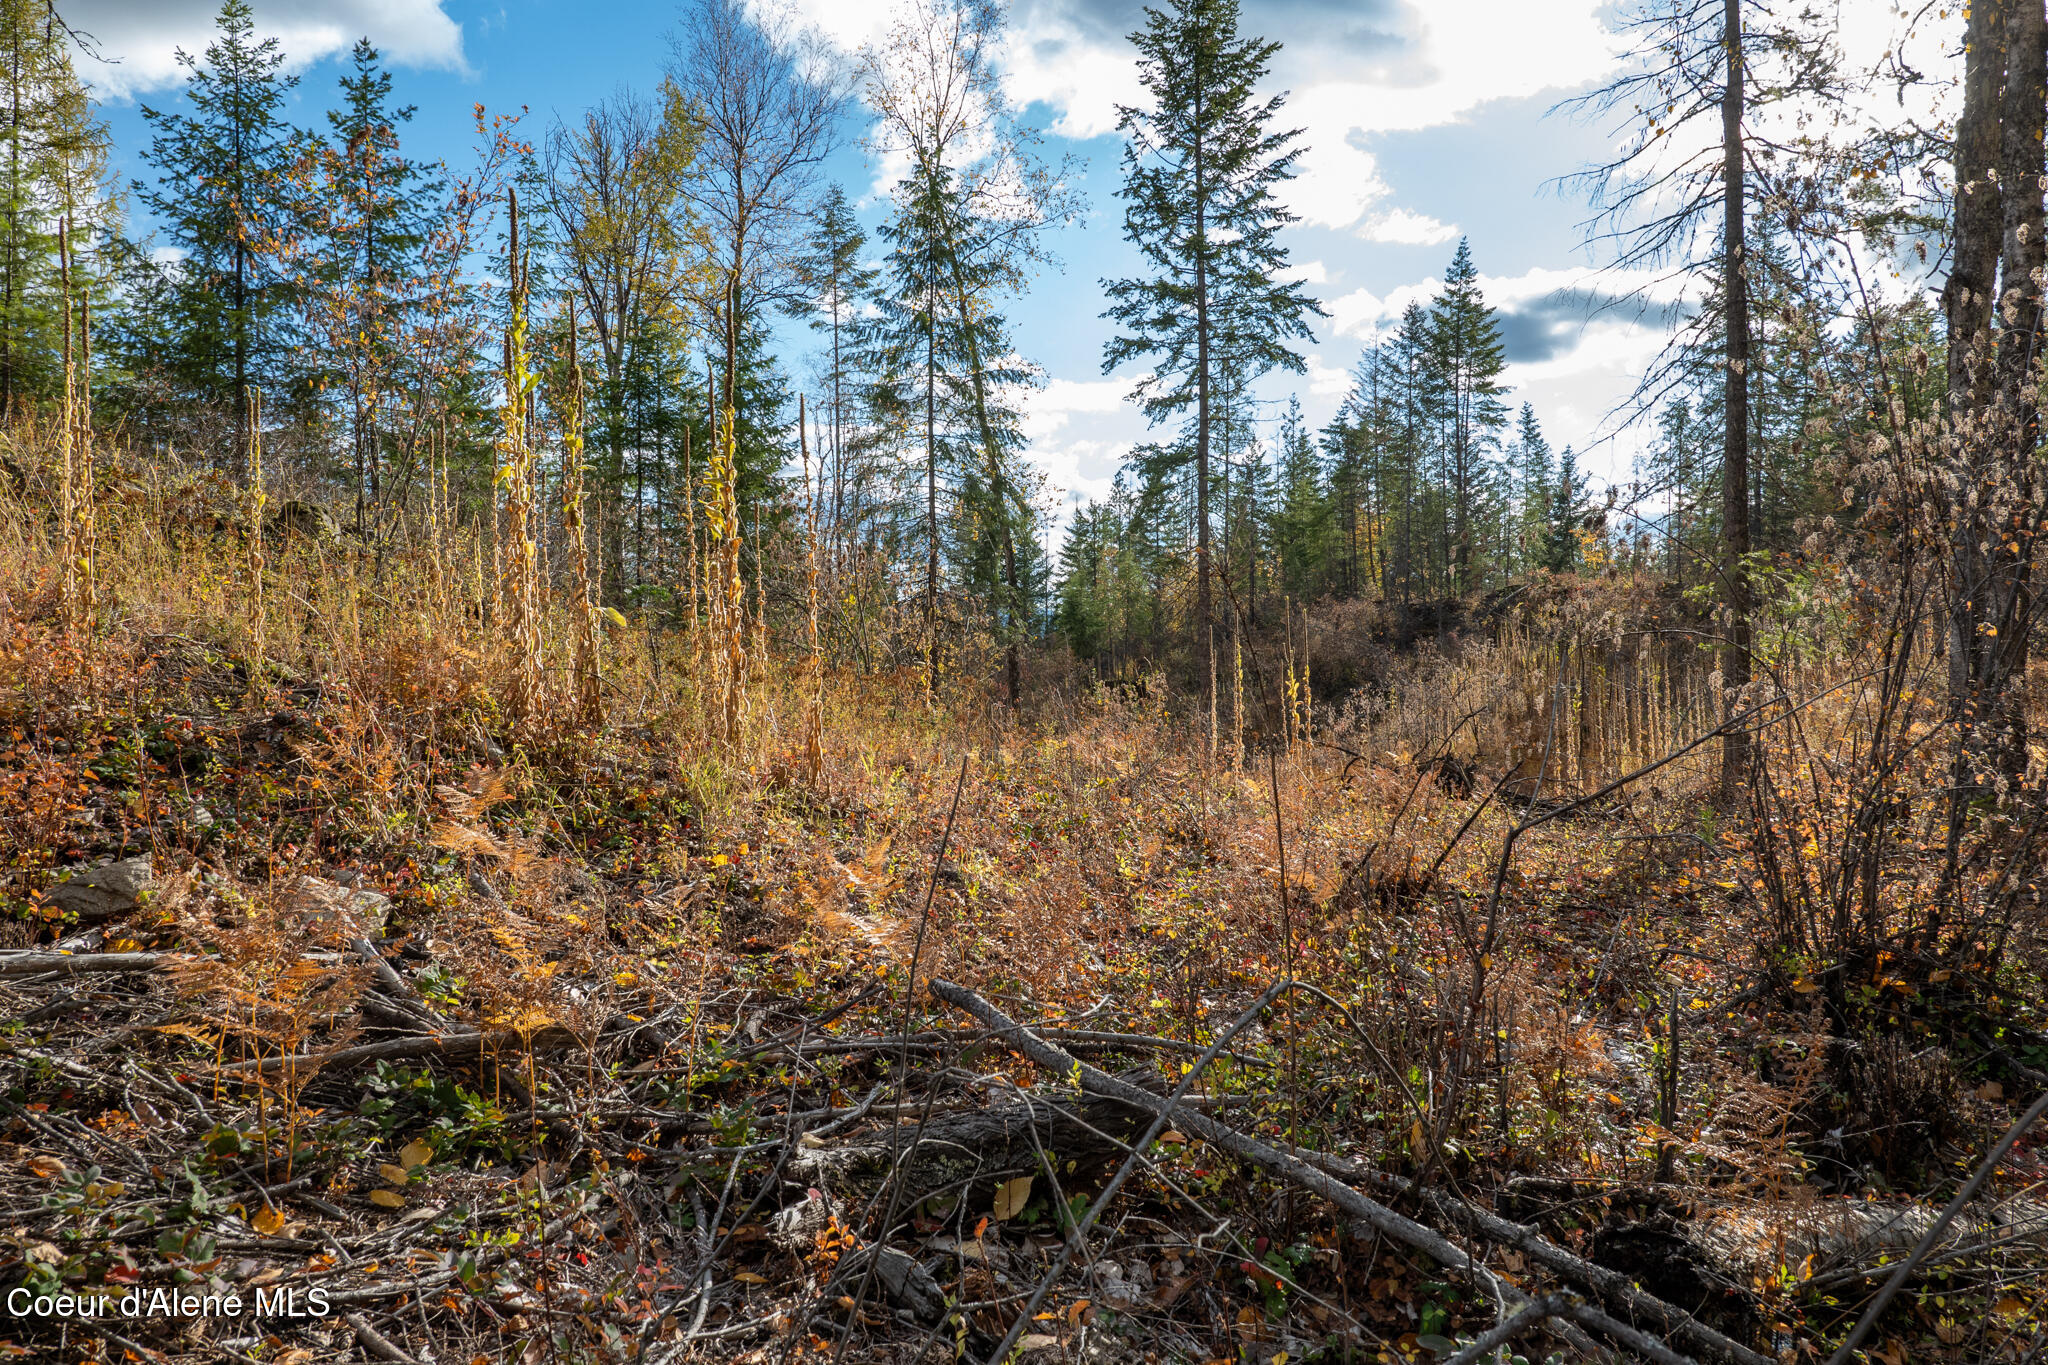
(79, 964)
(1611, 1288)
(970, 1151)
(483, 1046)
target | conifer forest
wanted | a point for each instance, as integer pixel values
(586, 776)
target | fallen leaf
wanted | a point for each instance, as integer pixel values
(415, 1153)
(387, 1199)
(397, 1175)
(749, 1277)
(48, 1167)
(1011, 1197)
(266, 1221)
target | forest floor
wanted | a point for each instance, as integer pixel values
(461, 1041)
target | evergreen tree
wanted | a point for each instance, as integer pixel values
(224, 198)
(1565, 517)
(839, 286)
(374, 212)
(54, 167)
(1301, 527)
(1467, 357)
(1201, 166)
(1535, 473)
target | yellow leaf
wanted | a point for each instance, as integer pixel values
(1075, 1310)
(387, 1199)
(2010, 1307)
(719, 860)
(626, 978)
(1804, 987)
(1011, 1196)
(397, 1175)
(611, 614)
(415, 1154)
(266, 1221)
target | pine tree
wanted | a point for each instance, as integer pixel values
(54, 166)
(838, 285)
(1565, 517)
(1467, 356)
(1301, 527)
(1201, 169)
(374, 211)
(1535, 475)
(224, 197)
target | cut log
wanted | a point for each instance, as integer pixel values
(970, 1152)
(1612, 1289)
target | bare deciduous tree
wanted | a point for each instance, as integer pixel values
(767, 97)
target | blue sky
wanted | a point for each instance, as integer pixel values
(1424, 120)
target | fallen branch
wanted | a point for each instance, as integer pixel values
(375, 1342)
(79, 964)
(482, 1045)
(1607, 1284)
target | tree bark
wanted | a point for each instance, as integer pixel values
(1735, 671)
(1975, 653)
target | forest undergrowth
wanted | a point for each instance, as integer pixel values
(645, 1035)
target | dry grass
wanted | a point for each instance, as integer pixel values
(741, 827)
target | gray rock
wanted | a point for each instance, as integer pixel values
(366, 910)
(103, 892)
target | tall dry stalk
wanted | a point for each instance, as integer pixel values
(589, 686)
(1308, 696)
(814, 696)
(520, 567)
(690, 536)
(1237, 699)
(254, 499)
(74, 444)
(728, 595)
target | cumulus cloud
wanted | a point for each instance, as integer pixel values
(1051, 408)
(141, 42)
(1399, 227)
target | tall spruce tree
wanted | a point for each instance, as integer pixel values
(839, 285)
(1201, 166)
(374, 211)
(224, 197)
(1565, 516)
(1535, 474)
(1467, 357)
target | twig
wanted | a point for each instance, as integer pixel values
(1530, 1314)
(1933, 1233)
(1407, 1231)
(375, 1342)
(78, 964)
(1130, 1163)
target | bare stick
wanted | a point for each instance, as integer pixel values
(1933, 1233)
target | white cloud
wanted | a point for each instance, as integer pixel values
(1047, 59)
(1050, 409)
(1325, 381)
(1307, 272)
(142, 41)
(1402, 228)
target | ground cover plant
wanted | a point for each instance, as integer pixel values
(514, 848)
